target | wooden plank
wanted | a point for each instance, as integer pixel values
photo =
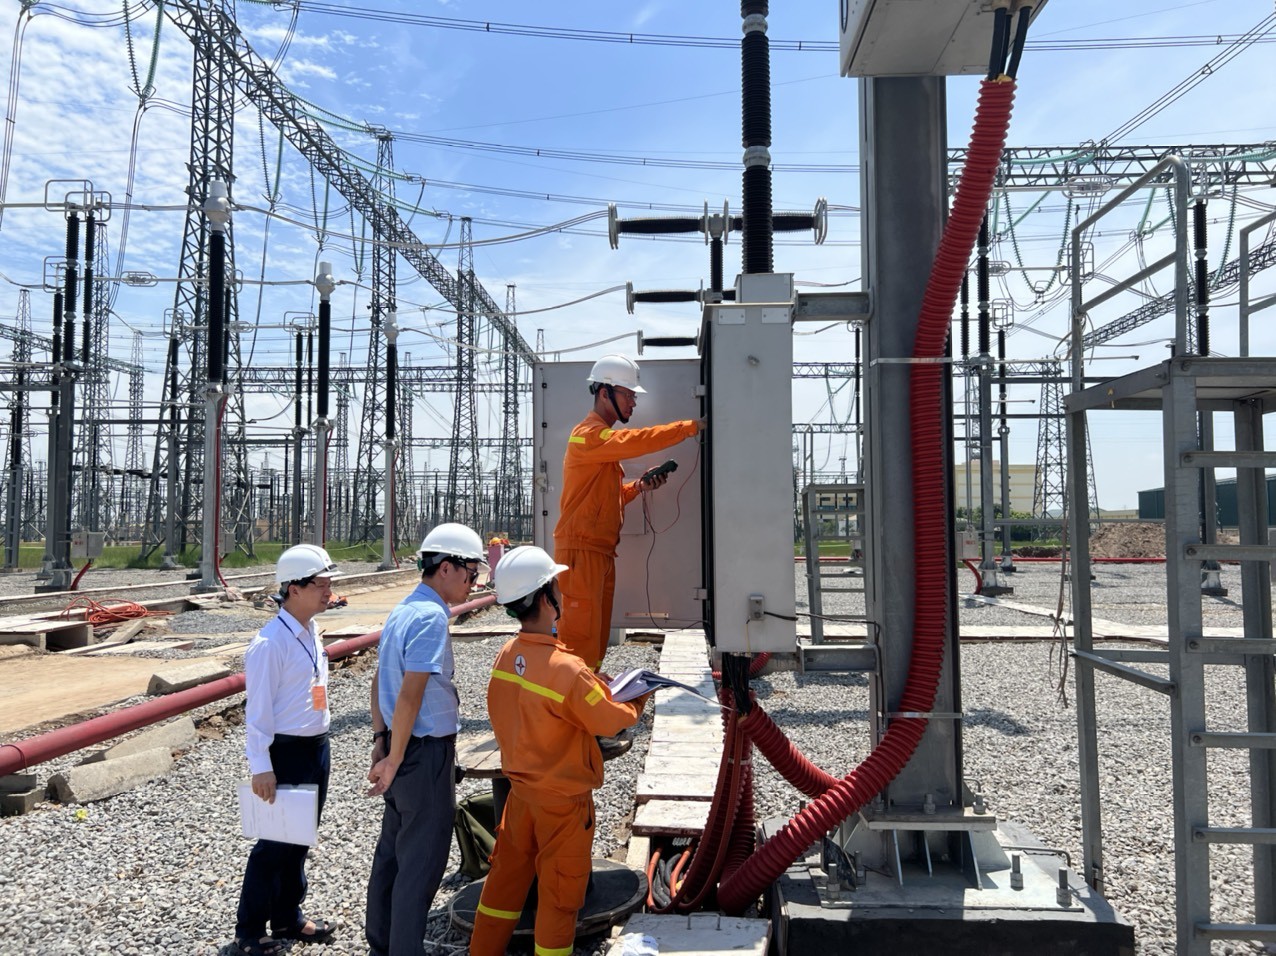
(479, 756)
(671, 818)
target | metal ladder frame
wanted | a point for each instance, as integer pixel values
(1182, 388)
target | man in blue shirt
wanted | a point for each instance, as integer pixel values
(414, 720)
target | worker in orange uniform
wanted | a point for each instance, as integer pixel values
(546, 706)
(591, 509)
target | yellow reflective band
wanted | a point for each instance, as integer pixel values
(500, 914)
(575, 440)
(547, 951)
(527, 685)
(594, 696)
(606, 433)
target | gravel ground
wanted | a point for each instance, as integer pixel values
(157, 870)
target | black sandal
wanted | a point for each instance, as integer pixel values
(255, 947)
(322, 933)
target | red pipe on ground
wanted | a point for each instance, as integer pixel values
(65, 740)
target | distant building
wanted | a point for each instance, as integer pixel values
(1023, 482)
(1152, 503)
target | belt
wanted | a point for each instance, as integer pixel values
(448, 738)
(313, 739)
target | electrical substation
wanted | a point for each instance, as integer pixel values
(904, 852)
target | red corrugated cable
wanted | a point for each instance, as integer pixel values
(780, 753)
(979, 578)
(892, 753)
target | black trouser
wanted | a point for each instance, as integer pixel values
(412, 852)
(275, 877)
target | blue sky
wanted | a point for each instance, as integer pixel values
(675, 104)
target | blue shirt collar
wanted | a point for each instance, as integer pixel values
(424, 592)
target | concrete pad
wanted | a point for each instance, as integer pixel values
(702, 934)
(177, 734)
(669, 749)
(175, 677)
(675, 786)
(106, 778)
(638, 853)
(136, 647)
(20, 802)
(671, 818)
(17, 782)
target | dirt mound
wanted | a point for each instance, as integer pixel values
(1144, 539)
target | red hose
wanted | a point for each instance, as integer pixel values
(979, 578)
(65, 740)
(896, 748)
(79, 574)
(780, 753)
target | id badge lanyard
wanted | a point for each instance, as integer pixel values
(318, 692)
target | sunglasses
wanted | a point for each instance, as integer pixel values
(471, 570)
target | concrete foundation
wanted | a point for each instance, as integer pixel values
(106, 778)
(175, 735)
(944, 911)
(175, 677)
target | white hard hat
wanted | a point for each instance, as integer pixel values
(454, 541)
(303, 561)
(616, 370)
(523, 571)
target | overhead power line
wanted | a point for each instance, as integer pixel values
(704, 42)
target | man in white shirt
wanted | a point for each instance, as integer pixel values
(287, 717)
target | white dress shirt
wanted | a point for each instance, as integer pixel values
(282, 666)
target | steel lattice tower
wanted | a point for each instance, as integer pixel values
(407, 518)
(93, 450)
(20, 418)
(340, 527)
(368, 475)
(463, 468)
(508, 509)
(134, 498)
(1049, 497)
(179, 443)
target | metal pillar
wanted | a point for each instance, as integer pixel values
(904, 190)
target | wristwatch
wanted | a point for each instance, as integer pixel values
(379, 734)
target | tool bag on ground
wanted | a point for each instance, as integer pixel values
(475, 826)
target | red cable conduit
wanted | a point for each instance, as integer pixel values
(992, 118)
(65, 740)
(979, 578)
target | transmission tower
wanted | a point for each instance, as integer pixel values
(93, 450)
(340, 527)
(1049, 496)
(133, 498)
(463, 468)
(406, 516)
(368, 475)
(509, 476)
(173, 520)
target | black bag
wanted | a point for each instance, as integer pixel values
(475, 826)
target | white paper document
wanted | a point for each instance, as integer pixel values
(292, 818)
(634, 683)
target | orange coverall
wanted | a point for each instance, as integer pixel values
(546, 707)
(591, 511)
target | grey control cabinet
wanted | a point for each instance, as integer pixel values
(659, 577)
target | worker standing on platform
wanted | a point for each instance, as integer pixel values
(287, 718)
(415, 717)
(546, 706)
(591, 509)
